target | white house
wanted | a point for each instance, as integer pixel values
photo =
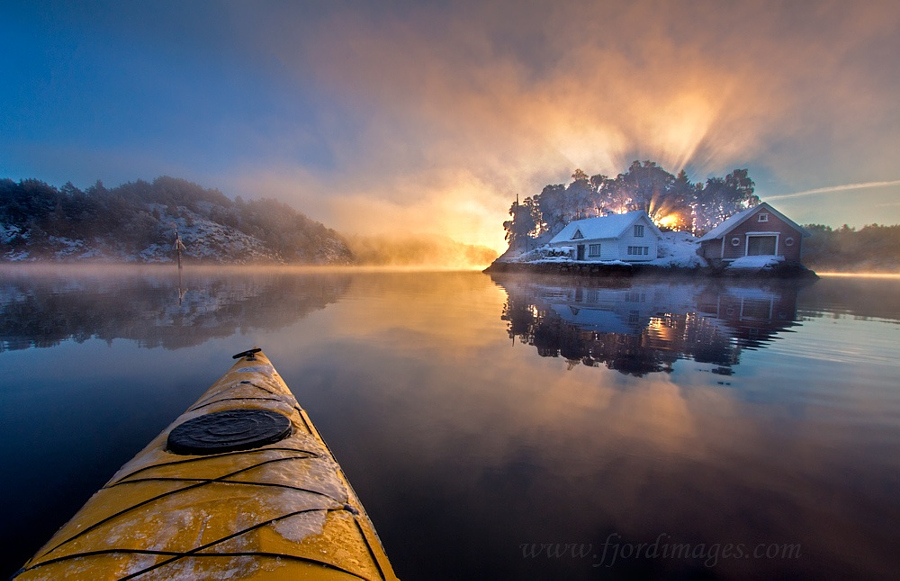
(630, 237)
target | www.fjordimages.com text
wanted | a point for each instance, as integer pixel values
(614, 550)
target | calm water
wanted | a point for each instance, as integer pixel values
(494, 427)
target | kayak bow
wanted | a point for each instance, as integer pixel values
(240, 486)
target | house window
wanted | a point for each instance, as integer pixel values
(638, 230)
(638, 251)
(593, 250)
(763, 217)
(577, 235)
(635, 297)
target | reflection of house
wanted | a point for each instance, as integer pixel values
(607, 320)
(627, 310)
(630, 237)
(646, 328)
(753, 315)
(758, 231)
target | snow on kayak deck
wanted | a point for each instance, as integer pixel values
(227, 515)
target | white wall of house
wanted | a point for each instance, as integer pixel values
(649, 240)
(617, 248)
(608, 249)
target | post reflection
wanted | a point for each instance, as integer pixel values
(642, 327)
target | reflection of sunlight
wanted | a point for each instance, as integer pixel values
(426, 311)
(662, 329)
(860, 274)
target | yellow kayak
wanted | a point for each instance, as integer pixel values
(241, 486)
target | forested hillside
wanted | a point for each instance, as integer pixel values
(873, 248)
(137, 222)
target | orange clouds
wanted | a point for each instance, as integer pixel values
(438, 114)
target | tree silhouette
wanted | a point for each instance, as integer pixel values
(673, 202)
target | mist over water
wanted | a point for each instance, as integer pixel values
(476, 416)
(422, 251)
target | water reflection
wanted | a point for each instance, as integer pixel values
(464, 449)
(154, 307)
(861, 298)
(639, 327)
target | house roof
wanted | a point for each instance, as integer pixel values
(601, 227)
(739, 218)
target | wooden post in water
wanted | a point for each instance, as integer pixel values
(179, 247)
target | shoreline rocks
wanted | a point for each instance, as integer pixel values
(783, 270)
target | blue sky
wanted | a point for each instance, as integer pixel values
(431, 116)
(124, 89)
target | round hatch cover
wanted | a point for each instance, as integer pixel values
(229, 431)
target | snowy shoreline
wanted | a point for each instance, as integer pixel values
(785, 270)
(678, 256)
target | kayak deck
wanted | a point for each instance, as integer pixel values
(245, 488)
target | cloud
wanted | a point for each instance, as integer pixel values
(437, 114)
(832, 189)
(430, 116)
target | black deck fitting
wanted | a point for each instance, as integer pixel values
(249, 353)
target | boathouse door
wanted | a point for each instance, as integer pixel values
(761, 245)
(580, 255)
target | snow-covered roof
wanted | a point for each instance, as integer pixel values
(734, 221)
(602, 227)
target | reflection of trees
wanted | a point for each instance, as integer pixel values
(42, 310)
(643, 327)
(860, 297)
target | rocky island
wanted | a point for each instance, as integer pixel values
(646, 221)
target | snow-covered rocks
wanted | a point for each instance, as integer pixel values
(755, 262)
(679, 250)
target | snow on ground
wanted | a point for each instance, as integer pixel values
(544, 253)
(679, 250)
(8, 232)
(755, 262)
(676, 250)
(156, 253)
(204, 238)
(556, 255)
(68, 247)
(17, 256)
(211, 240)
